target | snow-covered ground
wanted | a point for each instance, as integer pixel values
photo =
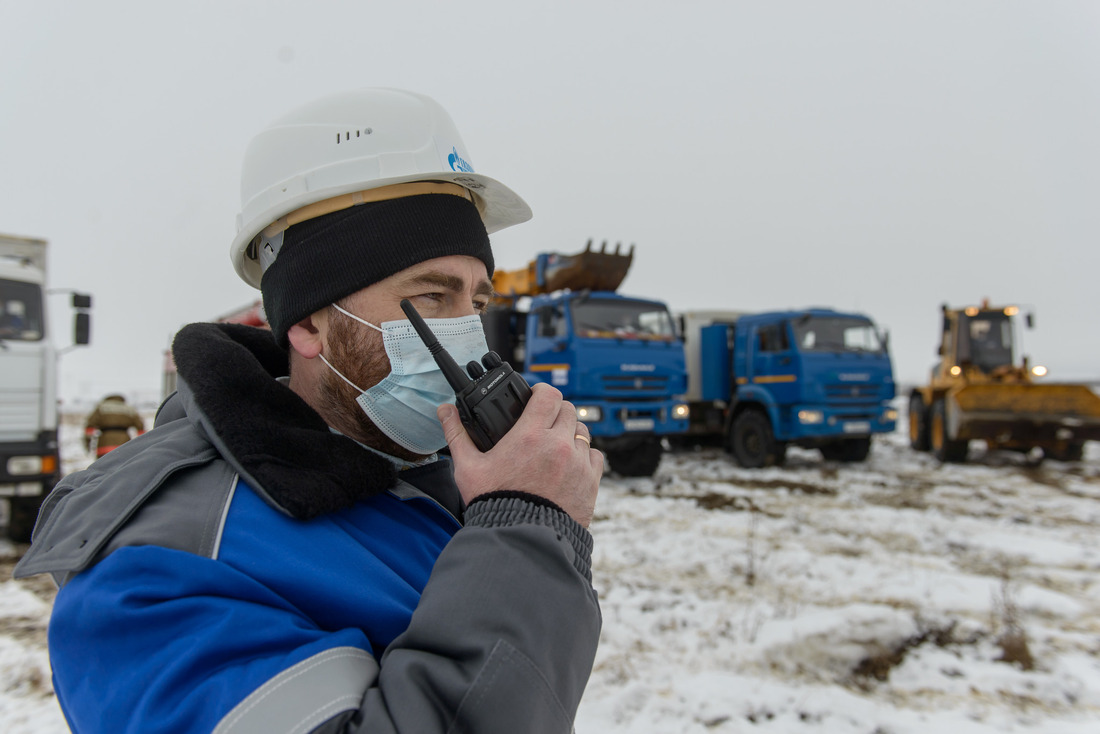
(888, 597)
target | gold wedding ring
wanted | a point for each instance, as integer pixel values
(584, 438)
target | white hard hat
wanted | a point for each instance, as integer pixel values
(352, 142)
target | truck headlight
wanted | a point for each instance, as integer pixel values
(1039, 370)
(809, 417)
(680, 411)
(890, 415)
(589, 413)
(24, 466)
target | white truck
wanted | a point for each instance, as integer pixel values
(30, 464)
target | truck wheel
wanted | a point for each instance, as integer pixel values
(639, 461)
(22, 515)
(848, 450)
(943, 448)
(918, 424)
(752, 442)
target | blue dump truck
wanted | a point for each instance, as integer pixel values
(759, 382)
(618, 359)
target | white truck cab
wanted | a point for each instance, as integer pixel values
(30, 464)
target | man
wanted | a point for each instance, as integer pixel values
(108, 426)
(286, 551)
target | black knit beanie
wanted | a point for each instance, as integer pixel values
(332, 256)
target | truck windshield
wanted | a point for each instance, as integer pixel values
(987, 338)
(20, 311)
(836, 334)
(622, 319)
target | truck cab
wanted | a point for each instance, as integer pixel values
(815, 378)
(617, 358)
(30, 463)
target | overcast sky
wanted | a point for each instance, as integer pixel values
(885, 157)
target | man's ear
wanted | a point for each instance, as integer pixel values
(305, 337)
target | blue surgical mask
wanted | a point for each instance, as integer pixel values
(403, 405)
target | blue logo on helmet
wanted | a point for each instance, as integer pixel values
(458, 163)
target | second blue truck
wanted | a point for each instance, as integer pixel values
(760, 382)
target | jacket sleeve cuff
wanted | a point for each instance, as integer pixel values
(507, 508)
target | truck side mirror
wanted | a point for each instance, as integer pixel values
(82, 300)
(82, 328)
(546, 323)
(1029, 319)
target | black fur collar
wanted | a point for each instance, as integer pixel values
(278, 443)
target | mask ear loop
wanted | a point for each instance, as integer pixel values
(339, 374)
(329, 364)
(361, 321)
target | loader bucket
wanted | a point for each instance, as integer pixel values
(551, 271)
(521, 282)
(1026, 412)
(592, 270)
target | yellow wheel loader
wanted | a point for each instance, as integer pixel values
(977, 391)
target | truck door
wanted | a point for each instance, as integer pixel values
(774, 366)
(547, 338)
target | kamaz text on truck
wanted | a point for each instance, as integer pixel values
(618, 359)
(30, 464)
(814, 378)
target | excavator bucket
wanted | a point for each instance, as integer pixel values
(591, 269)
(1028, 412)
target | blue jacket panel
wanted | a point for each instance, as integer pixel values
(244, 569)
(280, 591)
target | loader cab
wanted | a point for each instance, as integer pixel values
(984, 339)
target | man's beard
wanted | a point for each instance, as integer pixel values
(360, 354)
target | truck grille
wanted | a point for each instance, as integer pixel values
(19, 417)
(633, 383)
(852, 393)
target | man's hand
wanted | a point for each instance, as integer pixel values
(546, 453)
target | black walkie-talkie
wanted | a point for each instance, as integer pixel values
(490, 399)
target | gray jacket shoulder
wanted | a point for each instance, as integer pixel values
(168, 487)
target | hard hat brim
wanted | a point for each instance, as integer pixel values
(500, 207)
